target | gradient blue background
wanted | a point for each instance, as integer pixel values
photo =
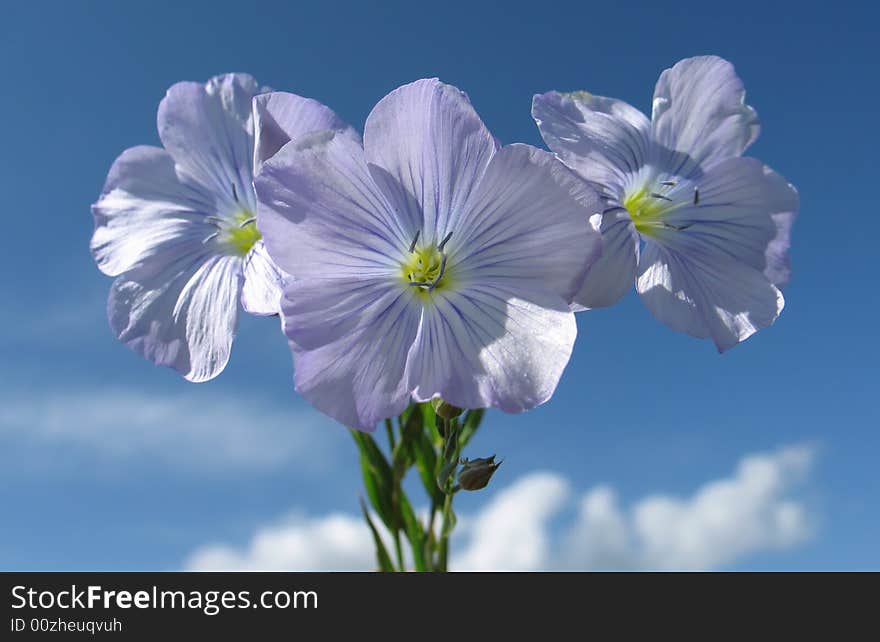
(640, 406)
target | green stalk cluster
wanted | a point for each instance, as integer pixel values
(423, 439)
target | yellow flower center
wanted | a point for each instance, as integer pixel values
(241, 235)
(650, 204)
(645, 210)
(426, 269)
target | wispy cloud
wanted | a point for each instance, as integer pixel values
(190, 432)
(756, 509)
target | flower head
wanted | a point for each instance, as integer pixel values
(702, 231)
(429, 262)
(177, 225)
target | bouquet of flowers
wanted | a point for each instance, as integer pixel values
(423, 272)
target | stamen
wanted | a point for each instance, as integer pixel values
(656, 195)
(442, 269)
(215, 220)
(208, 238)
(234, 193)
(696, 196)
(248, 221)
(668, 183)
(425, 265)
(443, 242)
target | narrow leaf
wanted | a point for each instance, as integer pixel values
(430, 419)
(377, 478)
(382, 556)
(414, 533)
(426, 463)
(470, 423)
(446, 471)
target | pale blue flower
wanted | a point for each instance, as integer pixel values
(177, 225)
(431, 261)
(702, 231)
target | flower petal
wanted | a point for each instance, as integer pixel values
(208, 130)
(745, 212)
(714, 269)
(528, 223)
(614, 274)
(603, 139)
(700, 116)
(180, 312)
(491, 346)
(280, 117)
(322, 216)
(261, 292)
(430, 149)
(350, 340)
(143, 210)
(722, 298)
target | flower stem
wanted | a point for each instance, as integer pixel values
(431, 444)
(446, 529)
(390, 430)
(400, 565)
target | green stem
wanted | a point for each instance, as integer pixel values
(433, 445)
(400, 566)
(389, 428)
(395, 496)
(443, 551)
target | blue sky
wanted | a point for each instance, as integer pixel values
(107, 462)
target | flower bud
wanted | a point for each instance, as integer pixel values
(445, 410)
(476, 473)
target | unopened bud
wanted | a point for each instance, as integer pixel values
(445, 410)
(476, 473)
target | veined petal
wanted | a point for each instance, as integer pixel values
(279, 117)
(180, 312)
(614, 273)
(429, 148)
(350, 341)
(724, 299)
(700, 116)
(261, 291)
(745, 213)
(491, 346)
(603, 139)
(208, 130)
(322, 216)
(323, 311)
(144, 210)
(527, 222)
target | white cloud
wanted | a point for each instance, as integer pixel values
(511, 531)
(194, 431)
(755, 510)
(336, 542)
